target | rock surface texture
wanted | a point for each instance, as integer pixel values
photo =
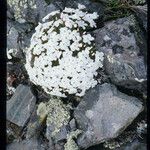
(104, 113)
(32, 144)
(121, 43)
(20, 106)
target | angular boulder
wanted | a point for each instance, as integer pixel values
(124, 46)
(20, 106)
(104, 113)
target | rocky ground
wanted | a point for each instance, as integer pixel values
(112, 115)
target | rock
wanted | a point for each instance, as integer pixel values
(32, 144)
(104, 113)
(35, 126)
(20, 106)
(61, 135)
(12, 132)
(15, 31)
(72, 124)
(57, 116)
(12, 44)
(124, 62)
(59, 146)
(43, 9)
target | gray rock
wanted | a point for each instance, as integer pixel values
(20, 106)
(43, 9)
(15, 32)
(104, 113)
(59, 146)
(61, 135)
(32, 144)
(72, 124)
(120, 40)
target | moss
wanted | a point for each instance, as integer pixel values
(71, 144)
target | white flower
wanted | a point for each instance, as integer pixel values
(81, 6)
(59, 58)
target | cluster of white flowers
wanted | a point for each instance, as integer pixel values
(62, 58)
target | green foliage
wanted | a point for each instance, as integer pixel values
(48, 1)
(118, 8)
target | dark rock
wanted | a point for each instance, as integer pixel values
(32, 144)
(13, 132)
(20, 106)
(104, 113)
(16, 74)
(120, 40)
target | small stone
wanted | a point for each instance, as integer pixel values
(72, 124)
(104, 113)
(20, 106)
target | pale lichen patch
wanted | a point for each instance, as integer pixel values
(71, 144)
(19, 7)
(57, 114)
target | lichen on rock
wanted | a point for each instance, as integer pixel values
(71, 144)
(20, 6)
(62, 57)
(57, 114)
